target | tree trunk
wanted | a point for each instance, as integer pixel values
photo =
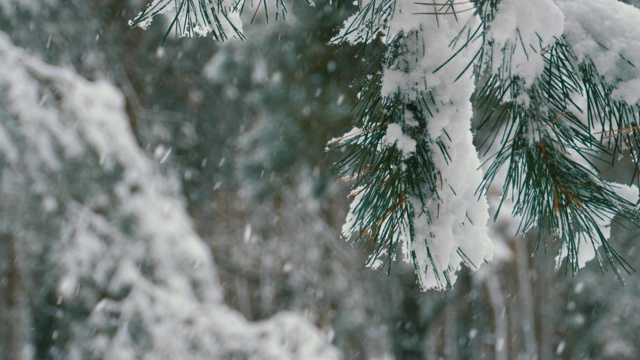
(526, 299)
(496, 299)
(15, 322)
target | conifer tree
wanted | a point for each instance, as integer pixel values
(553, 84)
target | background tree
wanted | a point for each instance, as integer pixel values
(109, 265)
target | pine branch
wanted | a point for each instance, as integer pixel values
(367, 24)
(390, 188)
(220, 18)
(547, 146)
(549, 125)
(547, 142)
(403, 198)
(617, 120)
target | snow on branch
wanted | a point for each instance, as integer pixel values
(558, 85)
(554, 92)
(606, 32)
(220, 18)
(415, 166)
(559, 113)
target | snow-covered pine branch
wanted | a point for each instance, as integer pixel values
(530, 84)
(415, 165)
(220, 18)
(557, 87)
(557, 115)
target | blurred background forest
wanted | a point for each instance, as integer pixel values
(237, 133)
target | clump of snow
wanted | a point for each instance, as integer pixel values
(349, 226)
(395, 137)
(354, 132)
(458, 223)
(365, 26)
(520, 31)
(607, 33)
(409, 83)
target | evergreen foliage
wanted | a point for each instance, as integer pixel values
(553, 144)
(550, 112)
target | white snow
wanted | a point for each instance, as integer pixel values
(395, 137)
(525, 28)
(607, 33)
(349, 226)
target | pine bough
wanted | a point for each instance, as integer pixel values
(558, 90)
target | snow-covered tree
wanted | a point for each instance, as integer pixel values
(99, 258)
(554, 85)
